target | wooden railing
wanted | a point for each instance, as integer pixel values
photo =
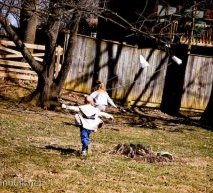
(197, 34)
(13, 65)
(201, 36)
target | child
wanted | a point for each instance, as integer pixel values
(88, 121)
(101, 97)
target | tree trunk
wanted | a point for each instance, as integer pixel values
(206, 118)
(47, 91)
(69, 52)
(46, 94)
(49, 87)
(28, 21)
(174, 80)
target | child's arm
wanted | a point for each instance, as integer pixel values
(106, 115)
(110, 101)
(72, 108)
(93, 94)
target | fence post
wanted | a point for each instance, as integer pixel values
(59, 52)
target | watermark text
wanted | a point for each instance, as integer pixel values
(21, 183)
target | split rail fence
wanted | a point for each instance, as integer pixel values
(13, 65)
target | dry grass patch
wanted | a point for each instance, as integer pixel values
(39, 152)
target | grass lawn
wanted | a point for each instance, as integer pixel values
(39, 152)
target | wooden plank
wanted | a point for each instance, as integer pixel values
(135, 67)
(14, 63)
(32, 46)
(19, 55)
(103, 62)
(17, 70)
(17, 76)
(7, 43)
(39, 59)
(198, 82)
(9, 50)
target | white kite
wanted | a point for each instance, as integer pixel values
(143, 62)
(177, 60)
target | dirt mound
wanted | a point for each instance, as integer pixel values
(143, 153)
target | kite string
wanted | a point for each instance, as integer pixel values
(113, 88)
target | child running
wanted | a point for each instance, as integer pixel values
(88, 119)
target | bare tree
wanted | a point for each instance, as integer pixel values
(54, 14)
(28, 20)
(48, 86)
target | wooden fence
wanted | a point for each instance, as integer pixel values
(118, 66)
(12, 64)
(198, 82)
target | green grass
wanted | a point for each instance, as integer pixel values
(27, 165)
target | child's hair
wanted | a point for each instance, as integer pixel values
(101, 86)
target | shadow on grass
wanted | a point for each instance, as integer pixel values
(63, 150)
(153, 118)
(69, 123)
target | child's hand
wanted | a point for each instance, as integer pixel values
(100, 125)
(63, 106)
(111, 117)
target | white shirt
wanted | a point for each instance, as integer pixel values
(92, 123)
(102, 98)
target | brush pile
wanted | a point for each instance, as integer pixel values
(143, 153)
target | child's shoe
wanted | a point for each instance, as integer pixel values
(84, 153)
(63, 106)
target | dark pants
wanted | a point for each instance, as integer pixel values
(85, 133)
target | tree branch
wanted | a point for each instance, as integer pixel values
(37, 67)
